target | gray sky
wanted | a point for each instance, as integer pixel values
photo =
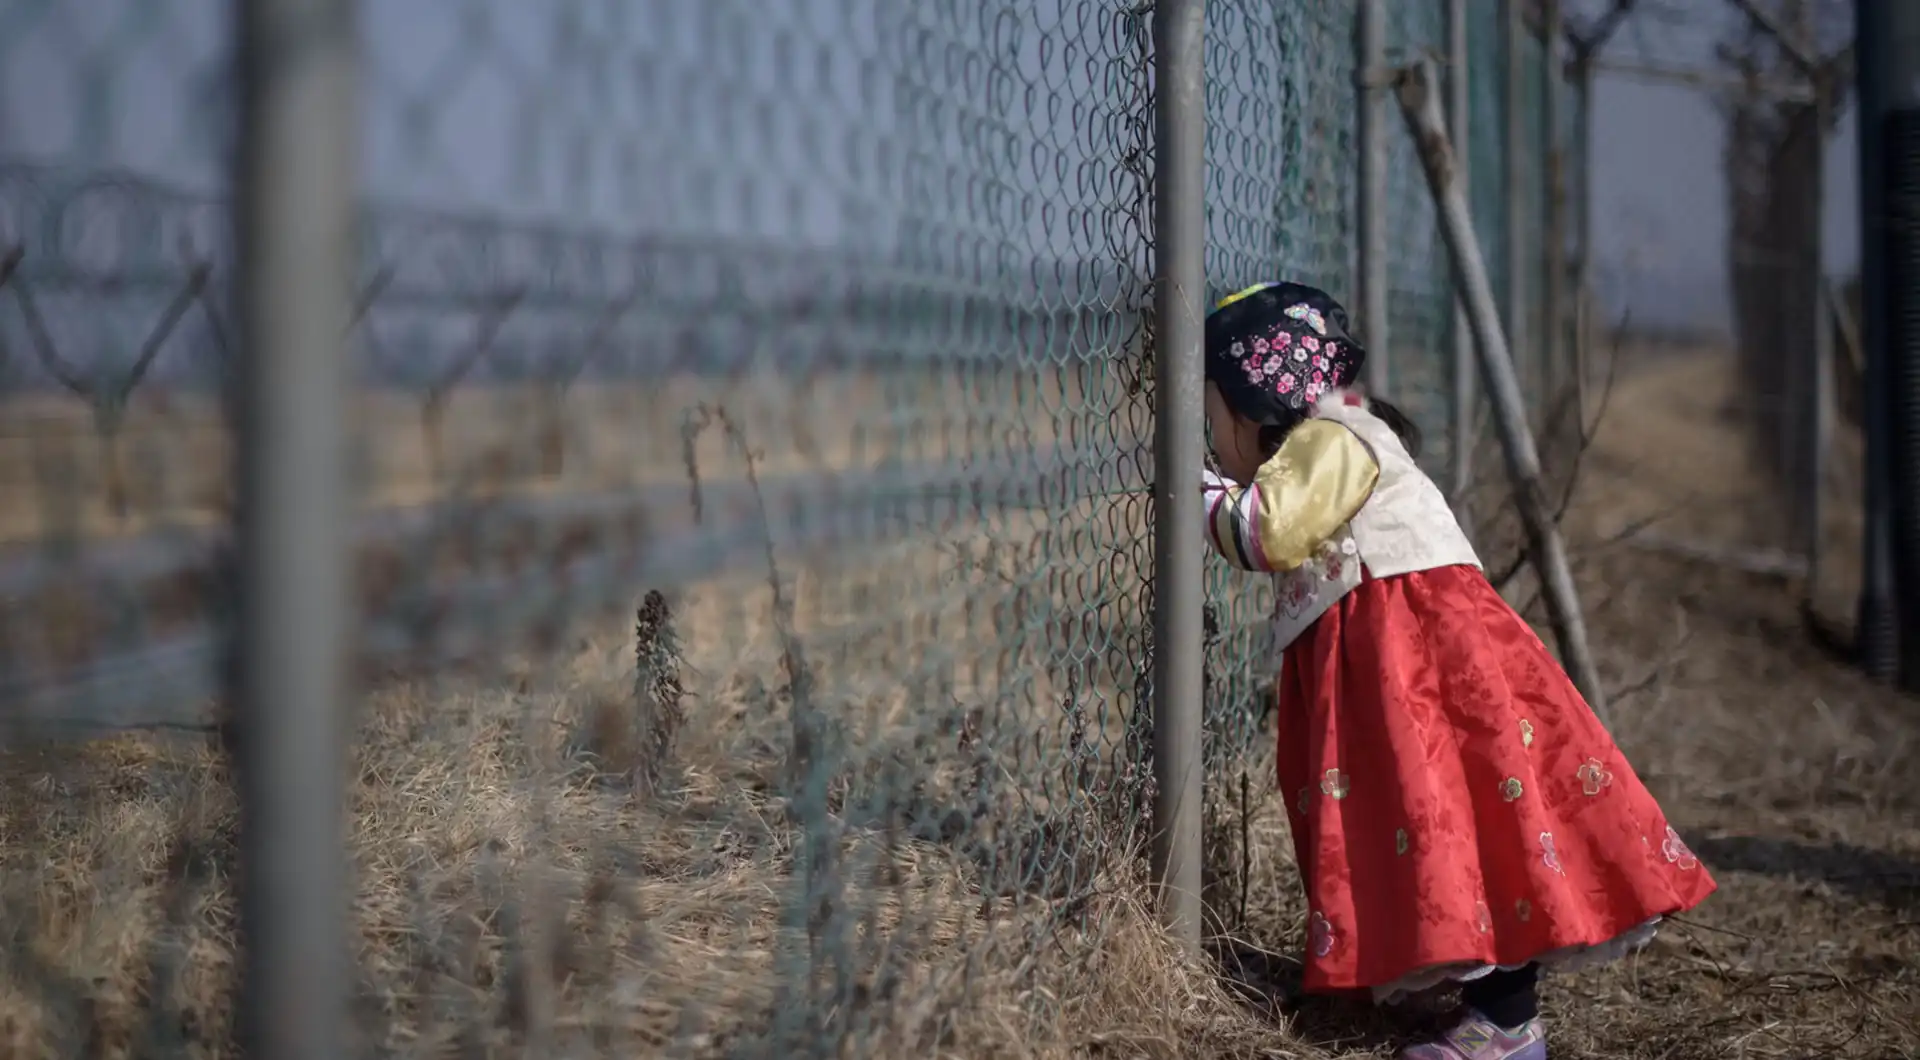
(1660, 203)
(683, 116)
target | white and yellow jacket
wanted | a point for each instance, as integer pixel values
(1341, 493)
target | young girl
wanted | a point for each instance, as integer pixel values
(1457, 811)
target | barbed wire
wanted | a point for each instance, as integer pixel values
(871, 760)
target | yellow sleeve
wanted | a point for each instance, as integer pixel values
(1314, 485)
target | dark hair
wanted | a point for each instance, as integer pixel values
(1403, 427)
(1299, 318)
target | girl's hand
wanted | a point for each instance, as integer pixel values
(1318, 481)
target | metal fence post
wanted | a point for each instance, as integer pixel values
(1893, 328)
(1370, 210)
(1877, 77)
(1553, 345)
(1819, 389)
(1582, 267)
(296, 166)
(1459, 110)
(1179, 225)
(1513, 81)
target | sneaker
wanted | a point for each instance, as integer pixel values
(1479, 1038)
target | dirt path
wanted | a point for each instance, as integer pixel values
(1790, 775)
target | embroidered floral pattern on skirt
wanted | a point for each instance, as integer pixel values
(1536, 841)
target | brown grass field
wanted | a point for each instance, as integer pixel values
(517, 892)
(166, 460)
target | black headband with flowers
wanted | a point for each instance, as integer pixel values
(1273, 350)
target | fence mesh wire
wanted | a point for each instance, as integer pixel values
(1487, 184)
(1280, 152)
(1487, 152)
(1574, 163)
(754, 535)
(1419, 283)
(1530, 350)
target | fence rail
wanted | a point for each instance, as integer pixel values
(844, 327)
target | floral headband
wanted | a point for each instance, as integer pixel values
(1275, 349)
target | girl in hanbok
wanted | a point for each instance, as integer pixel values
(1458, 813)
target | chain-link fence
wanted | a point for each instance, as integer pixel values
(1419, 283)
(1280, 167)
(1250, 886)
(818, 333)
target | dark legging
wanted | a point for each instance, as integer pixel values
(1507, 998)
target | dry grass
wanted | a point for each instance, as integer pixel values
(165, 459)
(489, 812)
(1792, 777)
(512, 882)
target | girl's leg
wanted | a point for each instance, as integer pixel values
(1503, 1023)
(1510, 999)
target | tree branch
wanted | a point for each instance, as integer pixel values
(1588, 429)
(1585, 43)
(1797, 51)
(1792, 91)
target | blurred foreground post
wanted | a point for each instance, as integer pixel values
(1179, 225)
(1420, 104)
(297, 162)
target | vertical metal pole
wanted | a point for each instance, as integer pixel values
(1459, 113)
(298, 149)
(1553, 345)
(1893, 334)
(1370, 33)
(1514, 84)
(1179, 35)
(1583, 237)
(1876, 622)
(1819, 389)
